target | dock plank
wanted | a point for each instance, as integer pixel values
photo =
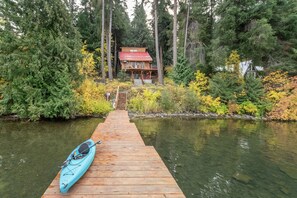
(123, 166)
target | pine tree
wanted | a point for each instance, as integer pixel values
(38, 56)
(88, 21)
(284, 24)
(254, 90)
(182, 72)
(243, 26)
(140, 34)
(227, 86)
(165, 31)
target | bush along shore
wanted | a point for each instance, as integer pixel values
(225, 95)
(272, 98)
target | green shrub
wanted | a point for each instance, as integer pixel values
(190, 102)
(222, 109)
(167, 102)
(227, 86)
(123, 76)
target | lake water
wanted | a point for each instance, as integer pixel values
(227, 158)
(30, 153)
(208, 158)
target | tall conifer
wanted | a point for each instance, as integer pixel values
(39, 51)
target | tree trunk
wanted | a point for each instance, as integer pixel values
(186, 29)
(174, 33)
(161, 56)
(109, 42)
(160, 70)
(115, 56)
(72, 4)
(102, 44)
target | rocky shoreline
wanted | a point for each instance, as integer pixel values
(134, 115)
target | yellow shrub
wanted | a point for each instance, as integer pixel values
(233, 62)
(209, 104)
(87, 65)
(200, 84)
(275, 96)
(248, 107)
(112, 86)
(276, 81)
(145, 102)
(92, 100)
(168, 81)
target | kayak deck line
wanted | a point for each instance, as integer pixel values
(123, 166)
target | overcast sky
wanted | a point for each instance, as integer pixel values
(131, 5)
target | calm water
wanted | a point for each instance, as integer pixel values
(30, 153)
(227, 158)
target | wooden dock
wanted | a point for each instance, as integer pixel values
(123, 166)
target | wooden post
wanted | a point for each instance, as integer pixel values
(141, 77)
(132, 76)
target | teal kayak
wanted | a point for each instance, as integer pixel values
(77, 164)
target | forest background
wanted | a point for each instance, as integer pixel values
(54, 56)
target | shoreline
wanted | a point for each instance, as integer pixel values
(15, 118)
(133, 115)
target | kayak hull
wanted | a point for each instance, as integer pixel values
(74, 169)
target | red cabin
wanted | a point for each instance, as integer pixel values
(137, 62)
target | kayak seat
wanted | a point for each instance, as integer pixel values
(84, 149)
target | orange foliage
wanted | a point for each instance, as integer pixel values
(275, 86)
(275, 81)
(233, 108)
(286, 108)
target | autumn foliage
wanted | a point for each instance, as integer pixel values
(282, 92)
(90, 95)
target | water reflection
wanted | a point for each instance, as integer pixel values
(30, 153)
(227, 158)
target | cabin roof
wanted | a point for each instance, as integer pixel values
(135, 56)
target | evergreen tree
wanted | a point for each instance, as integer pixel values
(89, 23)
(227, 86)
(254, 90)
(243, 26)
(39, 51)
(140, 34)
(121, 24)
(120, 29)
(284, 23)
(165, 31)
(182, 72)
